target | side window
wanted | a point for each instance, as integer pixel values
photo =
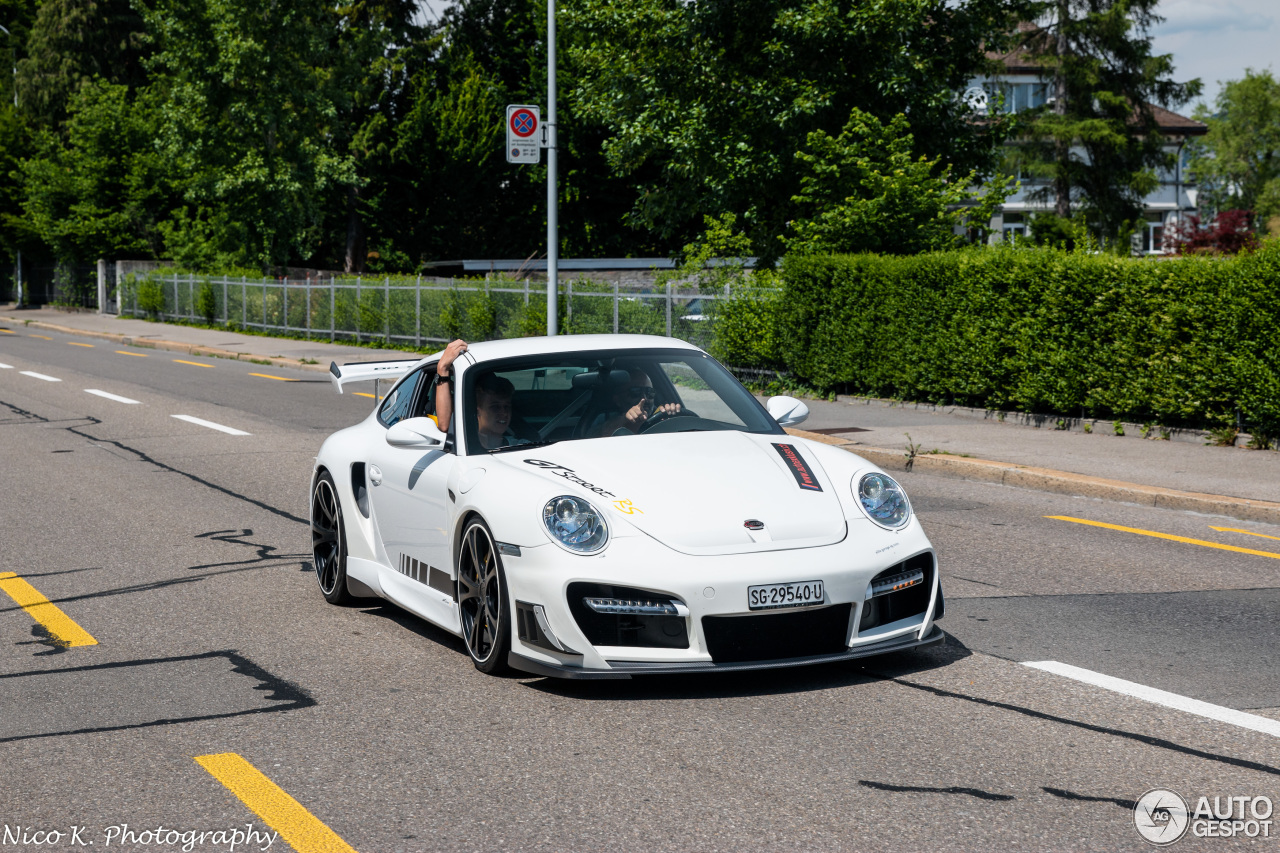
(396, 406)
(426, 404)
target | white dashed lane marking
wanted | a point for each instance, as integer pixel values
(115, 397)
(1160, 697)
(35, 375)
(210, 424)
(6, 367)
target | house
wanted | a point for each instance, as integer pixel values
(1025, 86)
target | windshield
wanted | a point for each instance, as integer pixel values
(538, 400)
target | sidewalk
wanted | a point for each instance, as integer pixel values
(194, 341)
(1181, 474)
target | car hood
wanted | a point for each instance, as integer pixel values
(694, 492)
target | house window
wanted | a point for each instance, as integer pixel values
(1153, 235)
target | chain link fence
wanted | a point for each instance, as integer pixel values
(418, 312)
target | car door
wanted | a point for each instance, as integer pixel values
(411, 506)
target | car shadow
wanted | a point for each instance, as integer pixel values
(769, 682)
(409, 622)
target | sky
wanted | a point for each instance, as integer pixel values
(1215, 40)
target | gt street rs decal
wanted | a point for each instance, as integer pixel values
(799, 468)
(568, 474)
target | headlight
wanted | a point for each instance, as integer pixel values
(575, 524)
(883, 500)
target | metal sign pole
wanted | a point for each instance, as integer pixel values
(553, 242)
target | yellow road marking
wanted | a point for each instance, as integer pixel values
(195, 363)
(46, 337)
(300, 828)
(7, 331)
(59, 625)
(75, 344)
(1168, 536)
(1245, 532)
(269, 376)
(134, 354)
(370, 396)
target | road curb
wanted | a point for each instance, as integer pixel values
(169, 346)
(1057, 482)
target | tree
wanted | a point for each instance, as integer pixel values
(1238, 163)
(1098, 142)
(249, 125)
(707, 102)
(378, 50)
(73, 42)
(99, 188)
(1228, 233)
(465, 199)
(863, 191)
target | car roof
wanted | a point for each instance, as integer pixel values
(489, 350)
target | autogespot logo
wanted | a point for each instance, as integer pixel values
(1161, 816)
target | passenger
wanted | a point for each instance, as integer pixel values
(631, 405)
(493, 401)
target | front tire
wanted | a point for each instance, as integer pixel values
(482, 599)
(329, 541)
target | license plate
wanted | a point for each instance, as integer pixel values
(775, 595)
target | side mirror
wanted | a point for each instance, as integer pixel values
(419, 433)
(787, 411)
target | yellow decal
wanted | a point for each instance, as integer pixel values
(628, 507)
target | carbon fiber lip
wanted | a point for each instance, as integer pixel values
(626, 669)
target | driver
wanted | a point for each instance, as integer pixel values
(631, 405)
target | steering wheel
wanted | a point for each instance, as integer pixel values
(660, 416)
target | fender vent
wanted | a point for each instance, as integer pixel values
(360, 488)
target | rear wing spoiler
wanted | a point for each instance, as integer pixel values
(365, 371)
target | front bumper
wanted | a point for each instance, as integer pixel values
(626, 669)
(715, 586)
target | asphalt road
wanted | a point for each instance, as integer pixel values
(182, 551)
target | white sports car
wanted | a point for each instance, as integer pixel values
(606, 506)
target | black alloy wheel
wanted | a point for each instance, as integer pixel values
(329, 541)
(482, 599)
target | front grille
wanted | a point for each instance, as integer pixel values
(775, 636)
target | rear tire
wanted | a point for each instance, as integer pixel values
(482, 599)
(329, 541)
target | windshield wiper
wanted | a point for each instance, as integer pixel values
(527, 446)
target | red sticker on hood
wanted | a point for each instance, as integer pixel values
(799, 468)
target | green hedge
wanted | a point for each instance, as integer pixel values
(1187, 341)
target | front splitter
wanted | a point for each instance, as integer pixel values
(626, 669)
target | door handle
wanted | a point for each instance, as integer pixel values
(375, 475)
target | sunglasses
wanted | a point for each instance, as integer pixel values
(640, 391)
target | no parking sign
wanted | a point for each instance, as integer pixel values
(524, 134)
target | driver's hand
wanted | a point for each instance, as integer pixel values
(636, 416)
(668, 409)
